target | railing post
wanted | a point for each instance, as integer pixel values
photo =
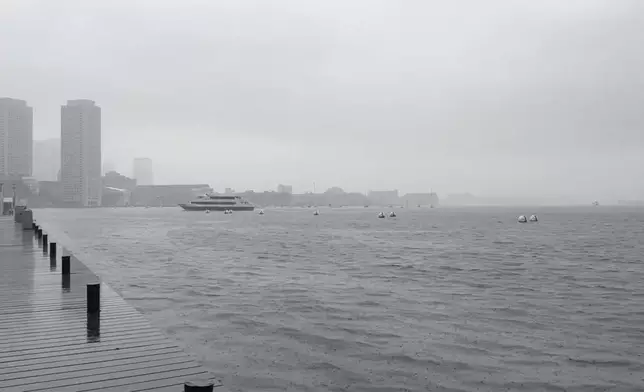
(66, 267)
(199, 386)
(93, 297)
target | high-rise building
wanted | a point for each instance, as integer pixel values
(16, 137)
(81, 153)
(46, 159)
(142, 170)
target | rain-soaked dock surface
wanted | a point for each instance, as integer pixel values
(49, 342)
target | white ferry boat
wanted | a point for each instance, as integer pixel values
(210, 202)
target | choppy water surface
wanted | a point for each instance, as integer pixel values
(440, 300)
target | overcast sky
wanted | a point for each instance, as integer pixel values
(494, 97)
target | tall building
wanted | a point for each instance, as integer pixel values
(143, 171)
(46, 159)
(81, 153)
(16, 137)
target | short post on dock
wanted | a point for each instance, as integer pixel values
(93, 297)
(65, 261)
(199, 386)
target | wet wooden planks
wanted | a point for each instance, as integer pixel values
(48, 342)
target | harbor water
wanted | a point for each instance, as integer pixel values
(432, 300)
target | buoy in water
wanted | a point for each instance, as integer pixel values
(392, 214)
(261, 212)
(533, 218)
(316, 213)
(207, 211)
(381, 215)
(522, 219)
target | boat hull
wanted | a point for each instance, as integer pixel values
(192, 207)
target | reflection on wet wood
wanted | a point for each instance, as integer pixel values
(53, 339)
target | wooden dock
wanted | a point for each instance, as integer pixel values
(50, 341)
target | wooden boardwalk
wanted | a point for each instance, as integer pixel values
(49, 342)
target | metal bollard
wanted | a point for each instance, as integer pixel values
(52, 250)
(66, 260)
(93, 297)
(44, 241)
(199, 386)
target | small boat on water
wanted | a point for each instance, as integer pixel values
(316, 213)
(212, 202)
(261, 212)
(392, 214)
(381, 215)
(533, 218)
(522, 219)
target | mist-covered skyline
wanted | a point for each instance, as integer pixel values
(496, 98)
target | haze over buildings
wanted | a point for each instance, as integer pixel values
(108, 167)
(81, 153)
(142, 171)
(46, 159)
(497, 97)
(16, 137)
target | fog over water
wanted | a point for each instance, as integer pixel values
(502, 97)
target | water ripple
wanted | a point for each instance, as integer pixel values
(440, 300)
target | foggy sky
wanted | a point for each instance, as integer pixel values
(492, 97)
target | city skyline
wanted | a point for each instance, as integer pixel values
(505, 99)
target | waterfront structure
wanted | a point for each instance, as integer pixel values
(104, 343)
(46, 159)
(115, 179)
(285, 189)
(420, 199)
(16, 137)
(81, 153)
(142, 171)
